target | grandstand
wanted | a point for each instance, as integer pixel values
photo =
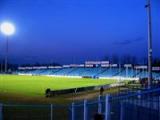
(92, 69)
(119, 101)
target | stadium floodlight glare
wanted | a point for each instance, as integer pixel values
(7, 28)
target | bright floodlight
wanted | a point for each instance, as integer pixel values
(7, 28)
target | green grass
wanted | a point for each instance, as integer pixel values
(36, 85)
(26, 90)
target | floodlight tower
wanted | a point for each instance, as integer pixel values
(7, 29)
(148, 6)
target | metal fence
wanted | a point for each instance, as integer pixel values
(34, 112)
(139, 105)
(135, 105)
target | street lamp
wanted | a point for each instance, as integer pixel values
(7, 29)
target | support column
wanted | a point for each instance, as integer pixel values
(122, 111)
(107, 108)
(1, 111)
(51, 112)
(85, 110)
(73, 111)
(99, 105)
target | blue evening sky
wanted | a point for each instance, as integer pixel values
(72, 31)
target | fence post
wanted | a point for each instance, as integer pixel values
(51, 112)
(99, 105)
(73, 111)
(159, 107)
(107, 108)
(122, 111)
(139, 94)
(85, 110)
(1, 111)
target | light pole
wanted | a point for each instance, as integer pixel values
(7, 29)
(148, 6)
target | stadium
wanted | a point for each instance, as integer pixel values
(79, 60)
(74, 82)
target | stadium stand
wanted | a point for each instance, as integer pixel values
(90, 72)
(98, 69)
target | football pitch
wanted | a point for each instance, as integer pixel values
(36, 85)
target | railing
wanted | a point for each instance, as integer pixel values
(34, 112)
(129, 106)
(139, 105)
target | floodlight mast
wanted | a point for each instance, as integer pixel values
(148, 6)
(7, 29)
(6, 57)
